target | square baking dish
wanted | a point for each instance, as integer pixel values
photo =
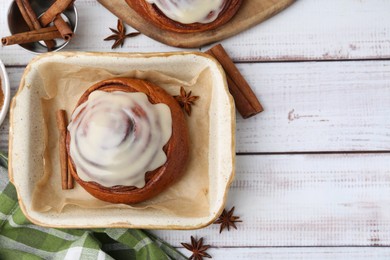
(27, 138)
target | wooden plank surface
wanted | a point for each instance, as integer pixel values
(324, 253)
(308, 30)
(309, 107)
(313, 205)
(318, 106)
(319, 30)
(305, 200)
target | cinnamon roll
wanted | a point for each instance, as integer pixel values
(186, 16)
(127, 140)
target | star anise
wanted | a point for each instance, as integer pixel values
(186, 100)
(197, 248)
(120, 35)
(227, 220)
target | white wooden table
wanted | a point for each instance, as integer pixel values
(313, 170)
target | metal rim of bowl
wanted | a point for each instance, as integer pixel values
(58, 48)
(7, 92)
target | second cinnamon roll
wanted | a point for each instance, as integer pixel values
(186, 16)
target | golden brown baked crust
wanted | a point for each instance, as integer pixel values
(151, 13)
(177, 148)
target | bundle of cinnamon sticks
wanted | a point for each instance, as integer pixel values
(39, 28)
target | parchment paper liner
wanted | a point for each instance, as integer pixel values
(64, 84)
(183, 66)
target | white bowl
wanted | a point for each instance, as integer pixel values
(6, 91)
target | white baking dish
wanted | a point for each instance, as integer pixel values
(27, 138)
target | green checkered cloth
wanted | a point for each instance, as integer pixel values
(20, 239)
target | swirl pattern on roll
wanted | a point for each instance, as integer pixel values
(116, 137)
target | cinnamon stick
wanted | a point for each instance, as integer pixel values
(63, 27)
(48, 33)
(25, 16)
(245, 99)
(70, 181)
(31, 19)
(66, 178)
(55, 9)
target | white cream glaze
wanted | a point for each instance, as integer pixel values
(190, 11)
(116, 137)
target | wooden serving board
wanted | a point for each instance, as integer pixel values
(252, 12)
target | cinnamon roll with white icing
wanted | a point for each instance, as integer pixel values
(127, 140)
(185, 16)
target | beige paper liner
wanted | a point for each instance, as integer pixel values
(64, 84)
